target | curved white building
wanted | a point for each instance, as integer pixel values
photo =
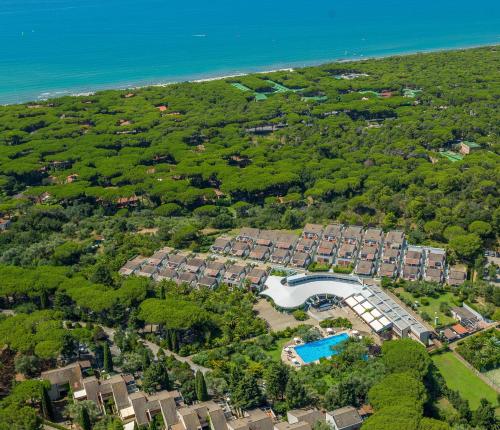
(293, 291)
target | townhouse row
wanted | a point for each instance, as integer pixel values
(166, 264)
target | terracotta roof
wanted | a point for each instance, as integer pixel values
(459, 329)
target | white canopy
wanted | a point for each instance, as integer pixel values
(290, 297)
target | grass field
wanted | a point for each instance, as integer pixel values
(275, 353)
(461, 378)
(433, 306)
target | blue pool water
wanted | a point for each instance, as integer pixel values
(55, 47)
(322, 348)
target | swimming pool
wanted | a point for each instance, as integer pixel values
(322, 348)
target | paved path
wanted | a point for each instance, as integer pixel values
(154, 348)
(276, 320)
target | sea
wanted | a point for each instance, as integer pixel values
(51, 48)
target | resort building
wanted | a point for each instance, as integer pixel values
(312, 231)
(306, 245)
(374, 306)
(346, 418)
(234, 275)
(187, 278)
(286, 241)
(165, 274)
(256, 277)
(325, 252)
(176, 261)
(195, 265)
(248, 235)
(365, 268)
(369, 252)
(310, 416)
(346, 254)
(215, 269)
(394, 239)
(332, 233)
(280, 256)
(432, 274)
(389, 270)
(255, 419)
(207, 282)
(65, 379)
(457, 275)
(391, 255)
(222, 245)
(158, 258)
(260, 253)
(373, 236)
(147, 271)
(267, 238)
(301, 259)
(436, 258)
(353, 234)
(131, 266)
(240, 249)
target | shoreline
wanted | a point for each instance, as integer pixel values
(207, 77)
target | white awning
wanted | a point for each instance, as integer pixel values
(80, 394)
(368, 317)
(351, 301)
(359, 309)
(385, 322)
(376, 313)
(375, 325)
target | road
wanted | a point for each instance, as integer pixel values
(154, 348)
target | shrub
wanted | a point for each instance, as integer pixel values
(300, 315)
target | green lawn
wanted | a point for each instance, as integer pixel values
(275, 353)
(461, 378)
(433, 306)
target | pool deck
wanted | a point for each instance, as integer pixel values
(290, 356)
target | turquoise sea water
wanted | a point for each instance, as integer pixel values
(312, 351)
(52, 47)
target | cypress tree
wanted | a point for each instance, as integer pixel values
(85, 419)
(107, 359)
(46, 404)
(162, 292)
(168, 340)
(174, 341)
(44, 299)
(201, 387)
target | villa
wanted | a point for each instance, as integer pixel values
(346, 254)
(286, 241)
(194, 265)
(214, 269)
(325, 252)
(388, 269)
(165, 274)
(248, 235)
(222, 245)
(457, 275)
(353, 234)
(312, 231)
(260, 253)
(436, 258)
(176, 261)
(433, 275)
(207, 282)
(256, 277)
(187, 278)
(390, 255)
(147, 271)
(373, 236)
(346, 418)
(131, 266)
(157, 258)
(365, 268)
(332, 233)
(234, 275)
(306, 245)
(411, 273)
(394, 239)
(280, 256)
(240, 249)
(301, 259)
(267, 238)
(368, 252)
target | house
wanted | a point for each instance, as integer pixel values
(449, 335)
(187, 278)
(165, 274)
(222, 245)
(460, 330)
(4, 224)
(346, 418)
(368, 252)
(248, 235)
(457, 275)
(256, 419)
(346, 254)
(332, 233)
(325, 252)
(388, 269)
(364, 268)
(436, 259)
(312, 231)
(132, 265)
(266, 238)
(310, 416)
(195, 265)
(390, 255)
(208, 282)
(373, 236)
(394, 239)
(65, 379)
(260, 253)
(240, 249)
(215, 269)
(353, 234)
(234, 275)
(286, 241)
(467, 147)
(413, 257)
(411, 273)
(464, 316)
(306, 245)
(176, 261)
(280, 256)
(200, 416)
(301, 259)
(433, 275)
(157, 258)
(147, 271)
(256, 277)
